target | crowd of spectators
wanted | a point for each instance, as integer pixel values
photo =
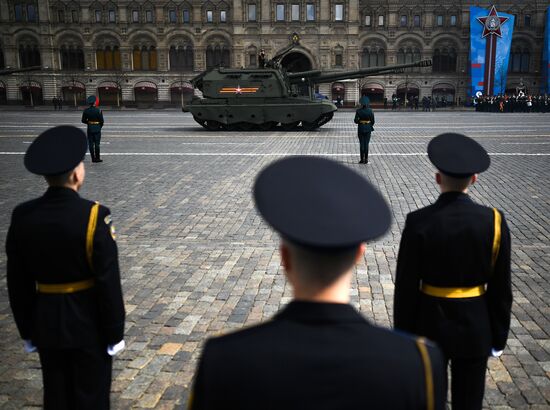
(512, 103)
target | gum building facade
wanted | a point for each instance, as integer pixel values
(144, 52)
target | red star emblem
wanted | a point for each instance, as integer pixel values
(492, 23)
(238, 90)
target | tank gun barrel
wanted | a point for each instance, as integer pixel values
(19, 70)
(317, 76)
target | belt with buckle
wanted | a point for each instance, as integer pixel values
(364, 122)
(70, 287)
(453, 293)
(93, 122)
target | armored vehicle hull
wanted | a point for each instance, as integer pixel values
(264, 114)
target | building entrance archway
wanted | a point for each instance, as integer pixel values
(181, 93)
(109, 94)
(407, 92)
(374, 91)
(145, 92)
(295, 62)
(74, 94)
(443, 94)
(31, 93)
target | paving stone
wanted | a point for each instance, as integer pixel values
(197, 260)
(170, 348)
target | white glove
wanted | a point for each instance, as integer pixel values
(114, 349)
(496, 353)
(28, 346)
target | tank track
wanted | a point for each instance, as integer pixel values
(212, 125)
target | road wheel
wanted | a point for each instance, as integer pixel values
(290, 126)
(213, 125)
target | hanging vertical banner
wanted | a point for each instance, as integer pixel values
(490, 44)
(546, 54)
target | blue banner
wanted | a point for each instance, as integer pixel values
(490, 44)
(546, 55)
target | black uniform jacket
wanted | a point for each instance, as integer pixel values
(93, 114)
(449, 244)
(364, 114)
(46, 243)
(315, 356)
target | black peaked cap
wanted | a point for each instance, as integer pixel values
(56, 151)
(458, 155)
(320, 203)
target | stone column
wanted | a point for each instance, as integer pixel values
(13, 93)
(164, 92)
(200, 58)
(89, 58)
(127, 92)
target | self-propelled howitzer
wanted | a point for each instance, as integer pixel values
(270, 98)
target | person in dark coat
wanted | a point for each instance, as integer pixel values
(319, 352)
(93, 117)
(63, 277)
(453, 271)
(364, 118)
(261, 59)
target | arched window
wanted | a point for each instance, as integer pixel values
(223, 12)
(29, 55)
(408, 55)
(252, 57)
(144, 58)
(108, 58)
(181, 57)
(26, 11)
(72, 57)
(401, 56)
(217, 55)
(519, 60)
(109, 63)
(381, 57)
(525, 57)
(444, 60)
(373, 56)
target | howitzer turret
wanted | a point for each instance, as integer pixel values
(267, 98)
(19, 70)
(318, 76)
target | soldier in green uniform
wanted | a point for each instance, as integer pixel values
(364, 118)
(319, 352)
(453, 271)
(63, 277)
(93, 117)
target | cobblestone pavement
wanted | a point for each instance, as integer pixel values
(196, 258)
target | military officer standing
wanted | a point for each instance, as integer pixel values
(453, 271)
(63, 277)
(319, 352)
(93, 117)
(261, 59)
(364, 118)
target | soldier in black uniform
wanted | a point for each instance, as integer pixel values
(261, 59)
(319, 352)
(364, 118)
(453, 271)
(63, 277)
(93, 117)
